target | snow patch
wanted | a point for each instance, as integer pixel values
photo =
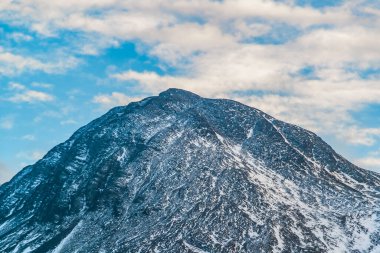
(67, 238)
(193, 248)
(280, 241)
(120, 158)
(287, 142)
(250, 133)
(363, 238)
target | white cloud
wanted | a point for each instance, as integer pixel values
(16, 86)
(5, 173)
(31, 156)
(28, 137)
(26, 158)
(31, 96)
(20, 93)
(12, 64)
(68, 122)
(169, 25)
(360, 136)
(372, 163)
(182, 40)
(331, 47)
(114, 99)
(244, 29)
(19, 37)
(151, 81)
(62, 113)
(273, 10)
(6, 122)
(42, 85)
(76, 14)
(210, 45)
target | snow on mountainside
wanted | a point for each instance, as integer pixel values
(181, 173)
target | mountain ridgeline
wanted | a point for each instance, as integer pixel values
(182, 173)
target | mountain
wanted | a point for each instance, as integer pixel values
(182, 173)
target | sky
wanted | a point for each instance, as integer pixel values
(314, 63)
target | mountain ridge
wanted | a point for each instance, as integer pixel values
(181, 173)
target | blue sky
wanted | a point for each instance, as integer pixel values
(311, 63)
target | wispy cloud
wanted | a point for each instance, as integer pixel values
(114, 99)
(12, 64)
(42, 85)
(68, 122)
(5, 173)
(23, 94)
(28, 137)
(62, 113)
(6, 122)
(369, 163)
(19, 37)
(31, 96)
(30, 156)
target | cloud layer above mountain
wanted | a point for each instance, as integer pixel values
(312, 63)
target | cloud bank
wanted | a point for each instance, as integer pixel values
(310, 66)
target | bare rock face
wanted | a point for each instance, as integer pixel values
(182, 173)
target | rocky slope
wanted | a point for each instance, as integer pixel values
(181, 173)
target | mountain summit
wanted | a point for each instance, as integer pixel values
(182, 173)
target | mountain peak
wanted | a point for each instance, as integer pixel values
(179, 94)
(180, 173)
